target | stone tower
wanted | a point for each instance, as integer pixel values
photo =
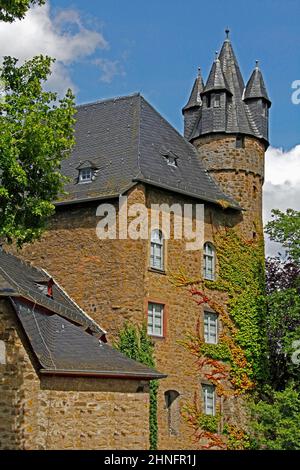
(228, 124)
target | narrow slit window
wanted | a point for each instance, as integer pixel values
(209, 262)
(157, 250)
(209, 399)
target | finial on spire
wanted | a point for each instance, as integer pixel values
(199, 71)
(256, 63)
(227, 31)
(216, 55)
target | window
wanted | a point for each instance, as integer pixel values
(2, 352)
(208, 101)
(157, 250)
(264, 109)
(85, 175)
(210, 327)
(173, 411)
(240, 142)
(172, 161)
(209, 399)
(217, 100)
(209, 262)
(155, 319)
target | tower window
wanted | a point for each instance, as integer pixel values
(209, 399)
(217, 100)
(240, 142)
(208, 101)
(157, 250)
(155, 319)
(210, 327)
(264, 109)
(209, 259)
(85, 175)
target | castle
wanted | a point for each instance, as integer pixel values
(125, 147)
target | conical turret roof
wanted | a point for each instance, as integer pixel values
(195, 96)
(256, 86)
(216, 79)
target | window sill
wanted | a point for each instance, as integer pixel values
(155, 337)
(158, 271)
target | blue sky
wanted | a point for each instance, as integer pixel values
(157, 46)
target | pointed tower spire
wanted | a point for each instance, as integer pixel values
(255, 87)
(195, 96)
(192, 109)
(216, 79)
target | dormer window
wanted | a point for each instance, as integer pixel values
(217, 100)
(172, 161)
(85, 175)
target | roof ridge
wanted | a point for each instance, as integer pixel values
(105, 100)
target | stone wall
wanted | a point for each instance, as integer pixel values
(50, 412)
(112, 281)
(239, 172)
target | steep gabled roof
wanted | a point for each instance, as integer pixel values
(124, 138)
(63, 338)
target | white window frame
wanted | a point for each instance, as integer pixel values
(209, 255)
(155, 311)
(85, 171)
(157, 246)
(209, 399)
(217, 100)
(210, 318)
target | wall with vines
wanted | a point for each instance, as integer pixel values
(134, 342)
(234, 365)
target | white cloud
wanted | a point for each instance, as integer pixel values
(64, 37)
(282, 184)
(109, 69)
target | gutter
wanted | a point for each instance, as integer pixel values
(103, 374)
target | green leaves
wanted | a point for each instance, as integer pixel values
(276, 421)
(135, 343)
(285, 229)
(11, 10)
(36, 134)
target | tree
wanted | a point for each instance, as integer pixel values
(276, 421)
(10, 10)
(275, 413)
(36, 133)
(285, 229)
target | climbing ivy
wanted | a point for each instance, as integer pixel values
(235, 365)
(135, 343)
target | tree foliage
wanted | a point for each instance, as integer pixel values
(285, 229)
(276, 418)
(36, 134)
(11, 10)
(135, 343)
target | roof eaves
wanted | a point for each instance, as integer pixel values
(105, 374)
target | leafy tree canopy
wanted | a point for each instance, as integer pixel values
(11, 10)
(285, 229)
(36, 133)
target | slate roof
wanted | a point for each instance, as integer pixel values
(256, 87)
(195, 96)
(64, 339)
(238, 118)
(216, 79)
(127, 139)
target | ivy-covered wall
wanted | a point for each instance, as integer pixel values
(235, 365)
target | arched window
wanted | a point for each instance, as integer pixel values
(209, 260)
(157, 250)
(172, 406)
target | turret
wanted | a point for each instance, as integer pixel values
(192, 109)
(258, 102)
(230, 133)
